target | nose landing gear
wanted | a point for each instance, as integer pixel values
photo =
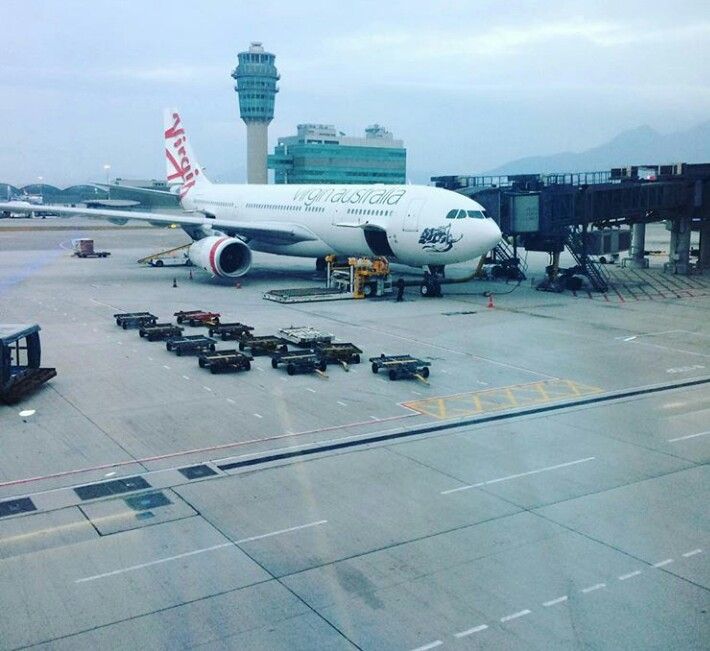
(431, 285)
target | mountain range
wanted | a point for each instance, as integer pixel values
(640, 146)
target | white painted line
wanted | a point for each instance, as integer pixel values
(258, 415)
(280, 531)
(194, 552)
(166, 366)
(341, 403)
(554, 602)
(133, 568)
(416, 392)
(663, 563)
(206, 388)
(693, 553)
(119, 343)
(471, 631)
(520, 474)
(231, 401)
(630, 575)
(521, 613)
(690, 436)
(374, 418)
(311, 390)
(592, 588)
(431, 645)
(630, 338)
(258, 368)
(185, 377)
(150, 359)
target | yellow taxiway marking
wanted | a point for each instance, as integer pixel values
(461, 405)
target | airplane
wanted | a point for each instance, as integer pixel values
(418, 226)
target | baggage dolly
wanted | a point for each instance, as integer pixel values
(340, 353)
(160, 331)
(262, 344)
(229, 331)
(190, 345)
(400, 367)
(135, 319)
(305, 336)
(299, 361)
(225, 361)
(196, 318)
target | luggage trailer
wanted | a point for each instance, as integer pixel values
(128, 320)
(160, 331)
(196, 318)
(401, 367)
(340, 353)
(305, 336)
(190, 345)
(262, 344)
(229, 331)
(299, 361)
(225, 361)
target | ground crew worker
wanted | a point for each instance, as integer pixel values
(400, 290)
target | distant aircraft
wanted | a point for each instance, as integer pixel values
(419, 226)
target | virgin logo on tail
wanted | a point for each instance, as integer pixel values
(179, 158)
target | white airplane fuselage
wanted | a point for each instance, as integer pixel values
(412, 225)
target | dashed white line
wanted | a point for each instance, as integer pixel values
(630, 575)
(185, 377)
(311, 390)
(554, 602)
(663, 563)
(690, 436)
(520, 474)
(471, 631)
(520, 613)
(166, 366)
(231, 401)
(693, 553)
(206, 388)
(592, 588)
(341, 403)
(258, 368)
(150, 359)
(431, 645)
(258, 415)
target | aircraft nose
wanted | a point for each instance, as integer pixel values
(493, 233)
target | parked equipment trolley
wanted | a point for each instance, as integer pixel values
(135, 319)
(340, 353)
(225, 361)
(401, 367)
(160, 331)
(229, 331)
(190, 345)
(298, 361)
(305, 336)
(262, 344)
(197, 317)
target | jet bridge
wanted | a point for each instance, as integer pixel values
(594, 214)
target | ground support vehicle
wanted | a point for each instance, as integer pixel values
(340, 353)
(225, 361)
(305, 336)
(298, 361)
(135, 319)
(229, 331)
(401, 367)
(84, 248)
(262, 344)
(197, 317)
(190, 345)
(160, 331)
(20, 368)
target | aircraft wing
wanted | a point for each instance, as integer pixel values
(264, 231)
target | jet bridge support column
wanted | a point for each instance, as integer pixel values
(704, 257)
(638, 259)
(679, 253)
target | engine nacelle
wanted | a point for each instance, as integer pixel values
(223, 256)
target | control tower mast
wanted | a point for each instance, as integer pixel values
(256, 78)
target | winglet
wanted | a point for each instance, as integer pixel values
(182, 168)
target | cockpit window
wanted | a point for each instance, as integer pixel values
(452, 214)
(461, 215)
(477, 214)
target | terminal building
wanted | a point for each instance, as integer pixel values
(319, 153)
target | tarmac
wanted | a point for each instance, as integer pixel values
(547, 489)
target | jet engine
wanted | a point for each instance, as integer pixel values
(227, 257)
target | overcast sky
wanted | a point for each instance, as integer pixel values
(467, 85)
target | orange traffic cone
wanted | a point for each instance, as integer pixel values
(490, 301)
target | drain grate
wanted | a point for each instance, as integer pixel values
(147, 501)
(13, 507)
(106, 488)
(197, 472)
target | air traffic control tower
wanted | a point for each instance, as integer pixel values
(256, 78)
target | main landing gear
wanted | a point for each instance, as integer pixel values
(431, 285)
